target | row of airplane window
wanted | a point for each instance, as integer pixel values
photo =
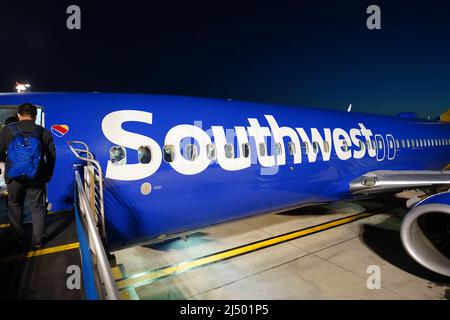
(118, 154)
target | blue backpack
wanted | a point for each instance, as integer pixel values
(24, 153)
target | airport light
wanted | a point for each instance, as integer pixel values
(22, 87)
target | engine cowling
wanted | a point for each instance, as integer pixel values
(425, 233)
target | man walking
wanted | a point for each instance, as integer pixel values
(29, 152)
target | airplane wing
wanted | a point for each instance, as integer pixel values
(381, 181)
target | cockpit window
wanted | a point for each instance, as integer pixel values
(118, 155)
(144, 154)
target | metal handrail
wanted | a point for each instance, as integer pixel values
(89, 159)
(96, 245)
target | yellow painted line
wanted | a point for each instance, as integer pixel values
(118, 272)
(146, 277)
(40, 252)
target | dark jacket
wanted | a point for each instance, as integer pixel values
(47, 164)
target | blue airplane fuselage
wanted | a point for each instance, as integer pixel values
(146, 201)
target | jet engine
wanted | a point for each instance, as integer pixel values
(425, 233)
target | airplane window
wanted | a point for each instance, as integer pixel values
(403, 143)
(326, 146)
(277, 148)
(417, 143)
(246, 150)
(429, 143)
(291, 148)
(315, 146)
(211, 151)
(169, 153)
(412, 143)
(229, 150)
(361, 145)
(262, 149)
(344, 145)
(144, 154)
(118, 155)
(442, 142)
(420, 143)
(305, 148)
(435, 142)
(407, 143)
(191, 152)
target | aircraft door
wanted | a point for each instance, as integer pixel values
(381, 147)
(391, 147)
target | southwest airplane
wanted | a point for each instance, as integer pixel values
(175, 164)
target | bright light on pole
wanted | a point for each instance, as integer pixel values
(22, 87)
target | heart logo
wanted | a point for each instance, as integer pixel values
(60, 130)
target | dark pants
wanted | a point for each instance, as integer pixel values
(35, 195)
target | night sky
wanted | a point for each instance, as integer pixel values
(306, 53)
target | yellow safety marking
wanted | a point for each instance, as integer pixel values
(145, 277)
(125, 295)
(40, 252)
(118, 272)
